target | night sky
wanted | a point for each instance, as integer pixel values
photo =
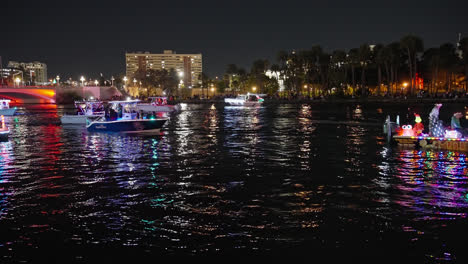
(91, 37)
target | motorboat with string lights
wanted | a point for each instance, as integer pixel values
(91, 109)
(125, 117)
(5, 108)
(439, 136)
(4, 130)
(159, 104)
(248, 99)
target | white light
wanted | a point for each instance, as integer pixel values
(128, 98)
(181, 74)
(91, 98)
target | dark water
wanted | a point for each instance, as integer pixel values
(280, 180)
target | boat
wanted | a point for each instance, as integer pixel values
(405, 136)
(125, 117)
(248, 99)
(158, 104)
(5, 108)
(85, 110)
(4, 130)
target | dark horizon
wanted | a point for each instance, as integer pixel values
(76, 39)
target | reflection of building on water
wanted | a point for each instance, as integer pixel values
(5, 174)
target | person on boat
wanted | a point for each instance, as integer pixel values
(435, 127)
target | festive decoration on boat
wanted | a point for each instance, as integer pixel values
(418, 127)
(452, 134)
(407, 131)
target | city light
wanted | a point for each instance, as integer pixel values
(405, 84)
(17, 81)
(96, 82)
(82, 79)
(254, 88)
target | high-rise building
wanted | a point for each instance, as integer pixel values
(35, 71)
(187, 66)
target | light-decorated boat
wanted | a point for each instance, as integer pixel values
(158, 104)
(407, 136)
(5, 108)
(85, 110)
(4, 130)
(125, 117)
(248, 99)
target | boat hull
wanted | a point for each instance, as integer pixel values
(76, 119)
(433, 143)
(8, 111)
(127, 126)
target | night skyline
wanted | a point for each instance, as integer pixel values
(76, 39)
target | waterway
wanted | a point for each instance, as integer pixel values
(296, 180)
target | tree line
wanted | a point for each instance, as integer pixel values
(401, 67)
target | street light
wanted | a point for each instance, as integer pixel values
(112, 80)
(212, 90)
(17, 81)
(134, 82)
(254, 88)
(125, 82)
(82, 79)
(58, 79)
(96, 82)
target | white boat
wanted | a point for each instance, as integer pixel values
(5, 108)
(85, 110)
(158, 104)
(245, 100)
(125, 117)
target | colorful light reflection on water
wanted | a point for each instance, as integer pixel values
(222, 180)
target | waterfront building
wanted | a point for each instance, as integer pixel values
(35, 71)
(188, 66)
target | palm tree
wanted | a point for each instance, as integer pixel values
(448, 60)
(338, 60)
(364, 57)
(464, 49)
(412, 45)
(431, 59)
(353, 60)
(378, 58)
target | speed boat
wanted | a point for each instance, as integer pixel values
(85, 110)
(125, 117)
(245, 100)
(5, 108)
(158, 104)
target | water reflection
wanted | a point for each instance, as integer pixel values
(6, 173)
(433, 184)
